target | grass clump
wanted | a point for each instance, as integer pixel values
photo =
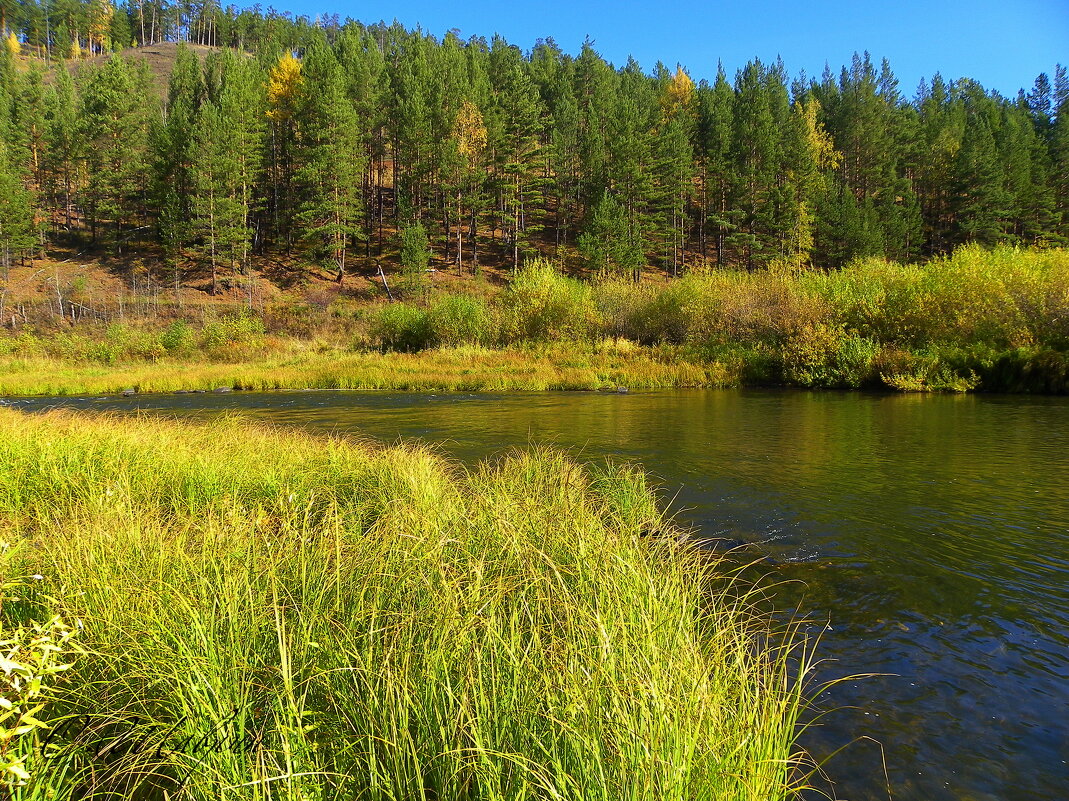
(270, 615)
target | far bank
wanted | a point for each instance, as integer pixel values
(985, 320)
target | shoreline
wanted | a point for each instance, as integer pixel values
(619, 366)
(505, 613)
(463, 369)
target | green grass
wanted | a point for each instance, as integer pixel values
(464, 368)
(265, 614)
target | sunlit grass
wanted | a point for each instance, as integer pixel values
(464, 369)
(273, 615)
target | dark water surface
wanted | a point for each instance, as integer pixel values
(930, 533)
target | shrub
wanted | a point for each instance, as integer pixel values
(178, 338)
(620, 305)
(398, 326)
(543, 305)
(233, 334)
(460, 320)
(928, 370)
(820, 356)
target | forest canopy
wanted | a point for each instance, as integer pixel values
(336, 140)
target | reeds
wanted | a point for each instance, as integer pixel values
(272, 615)
(458, 369)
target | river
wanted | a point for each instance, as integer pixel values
(926, 538)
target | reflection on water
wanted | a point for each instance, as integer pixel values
(932, 533)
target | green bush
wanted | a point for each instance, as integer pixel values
(829, 357)
(621, 306)
(401, 327)
(932, 369)
(542, 304)
(178, 338)
(460, 320)
(232, 329)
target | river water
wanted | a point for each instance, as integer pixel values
(926, 536)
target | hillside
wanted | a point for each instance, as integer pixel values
(268, 161)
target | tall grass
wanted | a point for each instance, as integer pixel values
(270, 615)
(602, 365)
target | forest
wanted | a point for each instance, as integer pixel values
(269, 138)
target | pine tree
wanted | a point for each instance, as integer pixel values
(630, 140)
(981, 203)
(212, 208)
(1025, 163)
(942, 126)
(1059, 156)
(173, 155)
(755, 153)
(608, 245)
(517, 160)
(330, 159)
(675, 164)
(64, 147)
(415, 256)
(18, 229)
(715, 128)
(364, 66)
(410, 122)
(115, 109)
(551, 73)
(241, 106)
(596, 97)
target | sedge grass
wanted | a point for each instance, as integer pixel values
(272, 615)
(461, 369)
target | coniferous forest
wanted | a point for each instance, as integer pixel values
(339, 143)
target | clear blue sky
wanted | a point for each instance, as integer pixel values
(1002, 44)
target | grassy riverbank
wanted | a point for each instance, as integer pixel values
(995, 320)
(256, 614)
(460, 369)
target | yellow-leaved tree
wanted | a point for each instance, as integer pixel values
(100, 14)
(821, 146)
(469, 135)
(678, 95)
(14, 47)
(283, 88)
(823, 159)
(469, 132)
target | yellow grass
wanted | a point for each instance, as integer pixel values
(465, 369)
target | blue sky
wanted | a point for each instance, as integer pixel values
(1004, 45)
